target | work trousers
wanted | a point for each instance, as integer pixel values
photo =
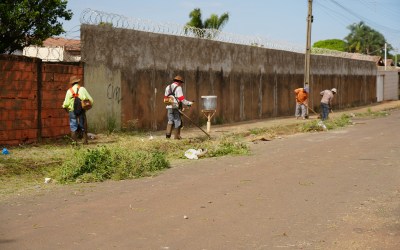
(324, 111)
(77, 123)
(174, 117)
(301, 110)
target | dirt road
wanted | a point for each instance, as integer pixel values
(330, 190)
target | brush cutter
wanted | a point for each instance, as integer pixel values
(187, 117)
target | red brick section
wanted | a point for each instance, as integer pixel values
(55, 78)
(19, 107)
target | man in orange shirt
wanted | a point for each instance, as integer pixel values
(301, 102)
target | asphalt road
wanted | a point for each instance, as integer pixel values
(329, 190)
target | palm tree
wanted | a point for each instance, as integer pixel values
(209, 28)
(215, 22)
(195, 19)
(364, 39)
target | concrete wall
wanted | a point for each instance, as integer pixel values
(130, 69)
(390, 84)
(31, 95)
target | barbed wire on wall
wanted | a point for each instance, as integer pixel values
(96, 17)
(68, 48)
(56, 49)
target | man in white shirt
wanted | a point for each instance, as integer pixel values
(174, 98)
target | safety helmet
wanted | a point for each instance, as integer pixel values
(306, 89)
(178, 78)
(334, 90)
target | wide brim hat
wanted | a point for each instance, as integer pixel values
(74, 79)
(178, 78)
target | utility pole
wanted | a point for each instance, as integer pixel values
(308, 46)
(385, 55)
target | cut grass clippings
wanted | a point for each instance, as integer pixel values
(127, 156)
(105, 162)
(121, 156)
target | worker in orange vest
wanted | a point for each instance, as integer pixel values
(301, 102)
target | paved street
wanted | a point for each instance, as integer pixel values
(329, 190)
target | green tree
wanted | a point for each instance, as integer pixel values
(332, 44)
(30, 22)
(209, 28)
(363, 39)
(396, 60)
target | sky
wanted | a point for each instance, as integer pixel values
(276, 20)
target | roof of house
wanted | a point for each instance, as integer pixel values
(375, 59)
(381, 61)
(68, 44)
(389, 62)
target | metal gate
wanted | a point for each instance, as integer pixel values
(379, 88)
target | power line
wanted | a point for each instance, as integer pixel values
(343, 19)
(341, 13)
(366, 20)
(375, 7)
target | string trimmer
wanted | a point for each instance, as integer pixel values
(187, 117)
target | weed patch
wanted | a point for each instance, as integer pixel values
(340, 122)
(335, 123)
(374, 114)
(311, 126)
(111, 124)
(102, 163)
(132, 154)
(229, 145)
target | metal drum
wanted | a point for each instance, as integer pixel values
(209, 102)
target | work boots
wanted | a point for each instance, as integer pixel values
(85, 138)
(168, 131)
(177, 134)
(74, 137)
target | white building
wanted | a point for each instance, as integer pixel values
(56, 49)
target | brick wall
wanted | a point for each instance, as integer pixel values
(31, 95)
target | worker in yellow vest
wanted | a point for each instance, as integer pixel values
(77, 101)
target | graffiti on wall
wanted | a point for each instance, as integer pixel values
(114, 93)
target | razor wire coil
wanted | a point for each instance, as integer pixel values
(95, 17)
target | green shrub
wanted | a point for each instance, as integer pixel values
(111, 124)
(342, 121)
(219, 120)
(315, 125)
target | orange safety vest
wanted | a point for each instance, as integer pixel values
(73, 93)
